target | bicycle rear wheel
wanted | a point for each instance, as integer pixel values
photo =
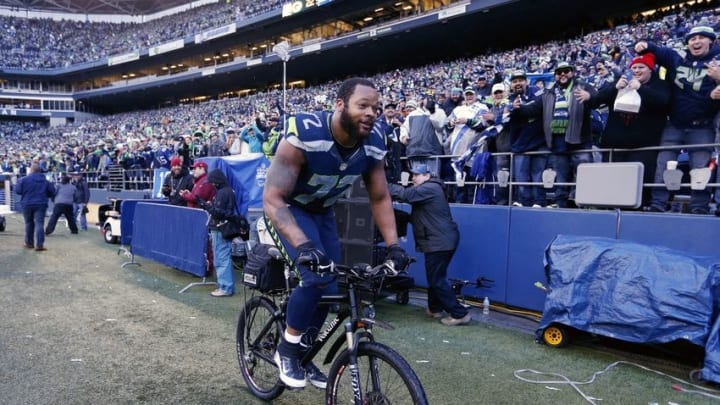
(385, 378)
(258, 334)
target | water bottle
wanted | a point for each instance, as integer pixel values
(486, 306)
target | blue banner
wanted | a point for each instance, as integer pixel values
(246, 174)
(159, 178)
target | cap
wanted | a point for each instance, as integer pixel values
(564, 65)
(469, 90)
(200, 164)
(456, 91)
(518, 74)
(176, 161)
(498, 87)
(230, 129)
(482, 76)
(647, 59)
(703, 30)
(390, 104)
(411, 104)
(420, 169)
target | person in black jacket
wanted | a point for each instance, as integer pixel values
(177, 180)
(437, 236)
(221, 209)
(80, 199)
(629, 130)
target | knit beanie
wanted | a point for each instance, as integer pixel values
(647, 59)
(176, 161)
(703, 30)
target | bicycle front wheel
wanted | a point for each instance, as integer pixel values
(258, 335)
(385, 378)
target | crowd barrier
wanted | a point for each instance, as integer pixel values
(507, 244)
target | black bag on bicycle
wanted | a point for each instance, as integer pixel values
(262, 271)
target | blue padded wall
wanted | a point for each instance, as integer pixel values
(695, 234)
(531, 231)
(482, 250)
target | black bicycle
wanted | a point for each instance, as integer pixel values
(363, 372)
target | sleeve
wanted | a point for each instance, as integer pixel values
(259, 133)
(605, 95)
(438, 118)
(412, 194)
(405, 130)
(665, 57)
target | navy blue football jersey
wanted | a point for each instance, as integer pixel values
(327, 174)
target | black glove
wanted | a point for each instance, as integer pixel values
(398, 256)
(314, 258)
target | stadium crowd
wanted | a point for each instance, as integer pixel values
(148, 139)
(33, 43)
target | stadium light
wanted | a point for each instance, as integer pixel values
(282, 49)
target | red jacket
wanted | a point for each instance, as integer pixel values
(201, 190)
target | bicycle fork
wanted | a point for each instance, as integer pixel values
(354, 369)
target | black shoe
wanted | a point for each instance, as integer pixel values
(316, 377)
(653, 208)
(291, 373)
(700, 211)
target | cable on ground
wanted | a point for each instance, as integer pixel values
(575, 384)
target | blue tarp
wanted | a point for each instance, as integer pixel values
(633, 292)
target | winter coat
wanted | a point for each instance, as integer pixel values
(433, 226)
(691, 105)
(222, 206)
(34, 190)
(630, 130)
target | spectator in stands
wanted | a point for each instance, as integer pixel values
(234, 143)
(80, 199)
(202, 190)
(35, 192)
(336, 146)
(175, 182)
(498, 103)
(627, 130)
(63, 199)
(215, 146)
(455, 99)
(388, 124)
(252, 135)
(566, 125)
(465, 124)
(221, 208)
(526, 135)
(692, 110)
(274, 135)
(421, 133)
(436, 236)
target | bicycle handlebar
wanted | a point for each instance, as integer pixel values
(365, 272)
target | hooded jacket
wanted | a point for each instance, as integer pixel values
(222, 206)
(34, 190)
